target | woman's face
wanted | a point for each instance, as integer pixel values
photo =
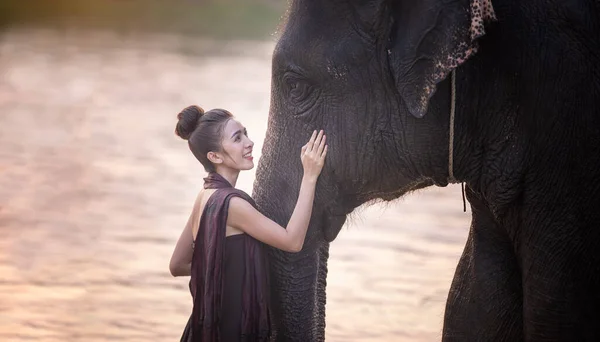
(237, 147)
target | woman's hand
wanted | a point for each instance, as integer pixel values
(313, 156)
(243, 216)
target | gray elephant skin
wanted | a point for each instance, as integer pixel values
(377, 76)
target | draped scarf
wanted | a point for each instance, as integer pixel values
(206, 284)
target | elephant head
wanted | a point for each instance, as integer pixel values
(370, 73)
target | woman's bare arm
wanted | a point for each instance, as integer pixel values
(243, 216)
(181, 260)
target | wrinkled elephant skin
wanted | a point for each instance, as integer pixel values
(375, 76)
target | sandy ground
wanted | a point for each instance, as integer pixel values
(95, 189)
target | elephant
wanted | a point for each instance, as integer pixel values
(502, 97)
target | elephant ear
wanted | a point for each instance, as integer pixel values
(428, 39)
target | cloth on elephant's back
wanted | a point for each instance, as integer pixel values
(206, 284)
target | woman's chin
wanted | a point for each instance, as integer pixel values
(247, 166)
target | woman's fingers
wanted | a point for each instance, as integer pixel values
(311, 142)
(316, 141)
(317, 144)
(319, 138)
(324, 153)
(321, 145)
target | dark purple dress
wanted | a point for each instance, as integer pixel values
(229, 280)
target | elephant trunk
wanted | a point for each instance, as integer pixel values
(297, 280)
(298, 284)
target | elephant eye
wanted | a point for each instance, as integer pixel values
(298, 89)
(300, 92)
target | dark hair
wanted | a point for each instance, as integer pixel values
(203, 131)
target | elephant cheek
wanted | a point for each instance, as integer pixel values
(332, 226)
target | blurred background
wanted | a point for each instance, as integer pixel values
(95, 188)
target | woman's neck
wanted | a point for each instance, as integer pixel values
(230, 175)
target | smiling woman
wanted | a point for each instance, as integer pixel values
(220, 246)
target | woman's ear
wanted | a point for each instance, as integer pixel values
(427, 40)
(214, 157)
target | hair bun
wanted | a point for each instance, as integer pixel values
(188, 121)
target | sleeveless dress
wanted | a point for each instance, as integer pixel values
(229, 281)
(233, 278)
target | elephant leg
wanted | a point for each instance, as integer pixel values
(485, 298)
(561, 283)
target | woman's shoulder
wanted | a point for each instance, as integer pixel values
(216, 198)
(241, 201)
(202, 200)
(202, 197)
